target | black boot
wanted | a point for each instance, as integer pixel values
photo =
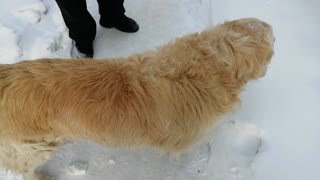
(81, 25)
(82, 50)
(123, 23)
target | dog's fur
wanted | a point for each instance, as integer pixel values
(166, 99)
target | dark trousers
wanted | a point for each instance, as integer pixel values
(82, 27)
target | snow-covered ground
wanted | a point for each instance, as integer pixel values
(274, 136)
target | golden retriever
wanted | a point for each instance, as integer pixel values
(166, 99)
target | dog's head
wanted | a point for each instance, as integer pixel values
(244, 46)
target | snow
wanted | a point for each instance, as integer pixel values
(273, 136)
(9, 36)
(108, 163)
(111, 161)
(77, 168)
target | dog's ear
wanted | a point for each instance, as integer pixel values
(243, 50)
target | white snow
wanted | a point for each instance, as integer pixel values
(111, 161)
(274, 136)
(234, 149)
(77, 168)
(9, 48)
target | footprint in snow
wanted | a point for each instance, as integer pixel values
(234, 148)
(32, 13)
(9, 48)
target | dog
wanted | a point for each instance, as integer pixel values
(168, 99)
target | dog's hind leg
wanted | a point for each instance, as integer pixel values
(24, 157)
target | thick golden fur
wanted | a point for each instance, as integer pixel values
(165, 99)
